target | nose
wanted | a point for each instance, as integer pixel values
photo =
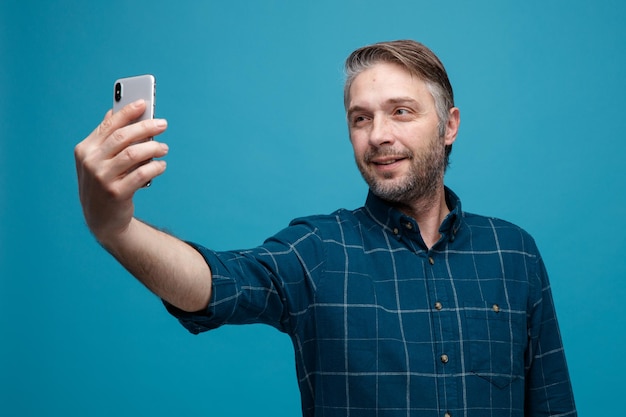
(381, 133)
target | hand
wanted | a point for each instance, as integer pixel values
(111, 166)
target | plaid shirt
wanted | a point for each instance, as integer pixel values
(383, 326)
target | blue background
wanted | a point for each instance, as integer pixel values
(253, 95)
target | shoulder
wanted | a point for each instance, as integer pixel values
(330, 221)
(502, 232)
(341, 225)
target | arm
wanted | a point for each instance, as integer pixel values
(111, 167)
(548, 385)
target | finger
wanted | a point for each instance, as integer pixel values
(84, 147)
(133, 156)
(122, 138)
(113, 121)
(140, 176)
(110, 123)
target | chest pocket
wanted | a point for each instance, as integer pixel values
(496, 340)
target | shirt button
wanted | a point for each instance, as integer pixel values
(444, 358)
(431, 260)
(496, 308)
(447, 415)
(438, 306)
(409, 226)
(395, 231)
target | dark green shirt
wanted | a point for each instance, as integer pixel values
(383, 326)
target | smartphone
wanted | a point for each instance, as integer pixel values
(129, 89)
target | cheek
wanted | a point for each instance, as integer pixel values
(359, 151)
(359, 143)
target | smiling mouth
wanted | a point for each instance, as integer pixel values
(387, 161)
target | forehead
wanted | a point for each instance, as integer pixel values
(385, 81)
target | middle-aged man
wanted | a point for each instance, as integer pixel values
(407, 306)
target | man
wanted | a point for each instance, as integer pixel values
(407, 306)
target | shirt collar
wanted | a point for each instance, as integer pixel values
(401, 225)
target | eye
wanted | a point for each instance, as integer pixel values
(402, 111)
(359, 120)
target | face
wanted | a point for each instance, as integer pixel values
(393, 126)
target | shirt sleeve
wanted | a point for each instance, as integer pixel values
(548, 386)
(269, 284)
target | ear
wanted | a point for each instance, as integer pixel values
(452, 127)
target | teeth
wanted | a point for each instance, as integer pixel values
(387, 162)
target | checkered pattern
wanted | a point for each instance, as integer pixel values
(383, 326)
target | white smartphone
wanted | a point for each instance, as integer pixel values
(129, 89)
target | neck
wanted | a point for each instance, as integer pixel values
(429, 212)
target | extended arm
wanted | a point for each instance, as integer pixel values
(111, 167)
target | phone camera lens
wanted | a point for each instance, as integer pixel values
(118, 91)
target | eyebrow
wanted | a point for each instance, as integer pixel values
(391, 101)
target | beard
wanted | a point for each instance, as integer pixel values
(420, 183)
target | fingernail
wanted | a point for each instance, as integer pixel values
(160, 122)
(165, 147)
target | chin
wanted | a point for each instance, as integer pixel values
(390, 190)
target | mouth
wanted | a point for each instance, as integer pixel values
(387, 164)
(390, 160)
